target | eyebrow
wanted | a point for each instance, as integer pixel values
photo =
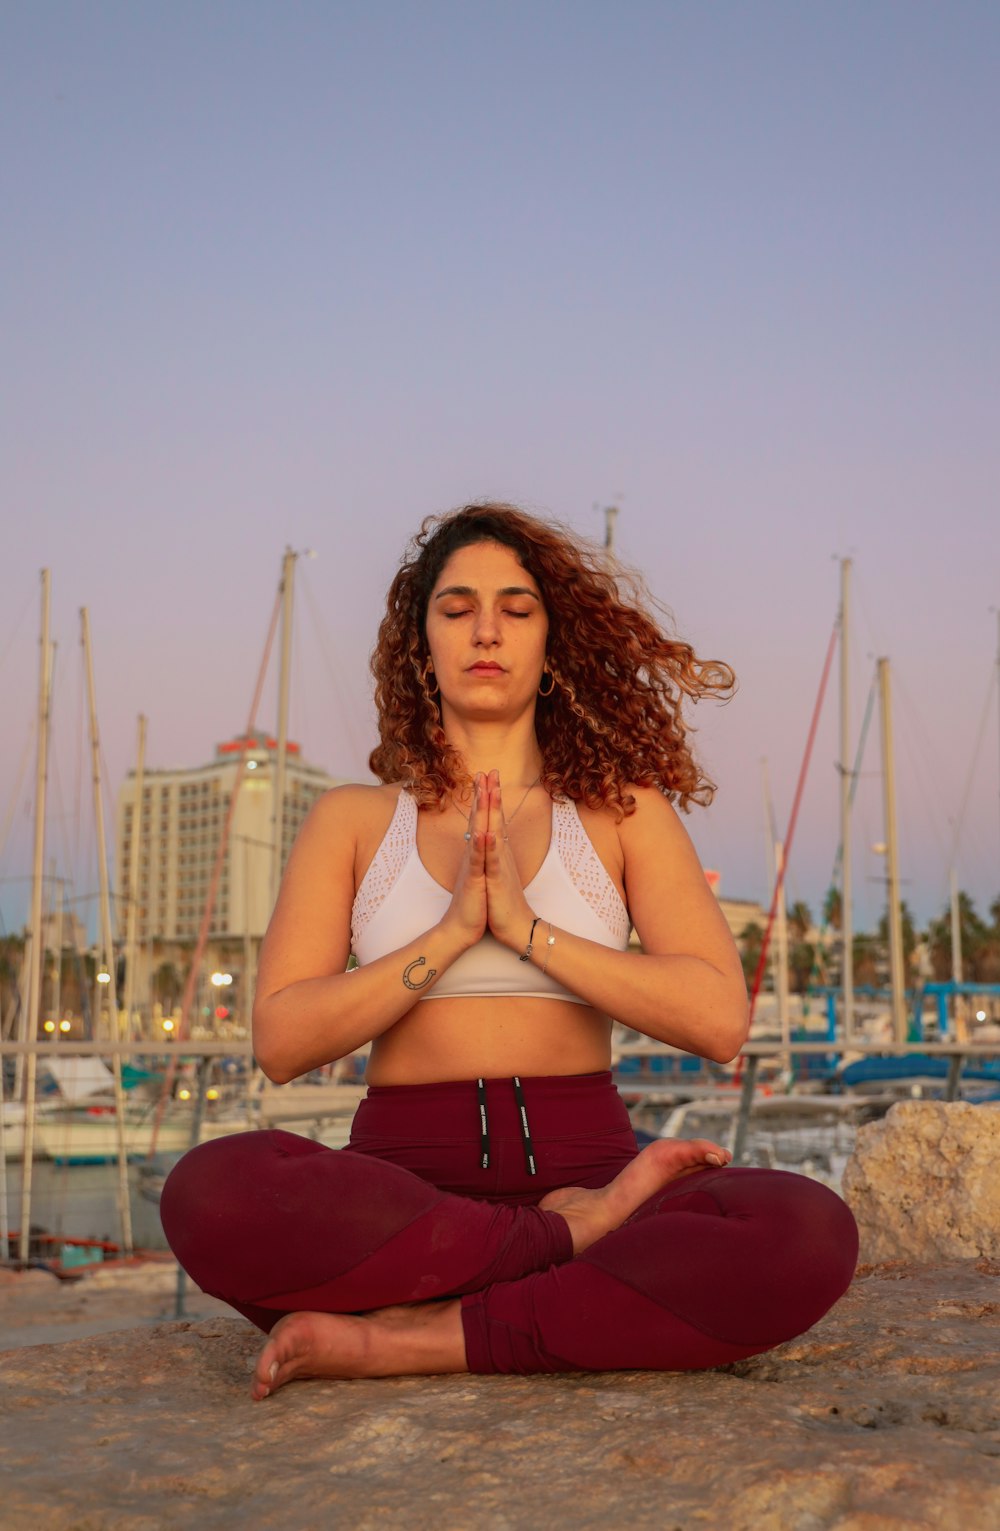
(468, 590)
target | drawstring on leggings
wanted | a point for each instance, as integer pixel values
(484, 1126)
(529, 1151)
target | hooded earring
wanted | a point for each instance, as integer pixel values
(552, 683)
(428, 675)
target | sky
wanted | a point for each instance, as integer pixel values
(300, 274)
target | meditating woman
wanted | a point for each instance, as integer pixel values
(492, 1212)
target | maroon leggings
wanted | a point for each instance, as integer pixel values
(435, 1197)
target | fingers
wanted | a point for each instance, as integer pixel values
(479, 816)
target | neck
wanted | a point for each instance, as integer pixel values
(509, 749)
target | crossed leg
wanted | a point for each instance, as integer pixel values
(429, 1338)
(337, 1255)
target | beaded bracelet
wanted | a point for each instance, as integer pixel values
(550, 943)
(526, 954)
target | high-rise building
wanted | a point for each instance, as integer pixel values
(183, 813)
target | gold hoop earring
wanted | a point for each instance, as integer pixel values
(428, 670)
(552, 683)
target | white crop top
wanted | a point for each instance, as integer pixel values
(399, 899)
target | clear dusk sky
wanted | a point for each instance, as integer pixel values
(305, 272)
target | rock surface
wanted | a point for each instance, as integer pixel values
(886, 1415)
(924, 1182)
(36, 1309)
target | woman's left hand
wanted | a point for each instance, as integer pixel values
(509, 915)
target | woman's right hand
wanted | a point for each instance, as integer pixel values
(466, 915)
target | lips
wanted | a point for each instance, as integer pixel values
(486, 669)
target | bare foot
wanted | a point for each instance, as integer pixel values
(592, 1214)
(421, 1339)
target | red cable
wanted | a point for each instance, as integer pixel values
(780, 879)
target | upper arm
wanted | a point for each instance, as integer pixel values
(309, 935)
(672, 906)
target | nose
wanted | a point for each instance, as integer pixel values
(486, 629)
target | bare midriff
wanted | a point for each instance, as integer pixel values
(490, 1039)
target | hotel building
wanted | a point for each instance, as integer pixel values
(183, 813)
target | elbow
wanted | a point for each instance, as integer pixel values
(731, 1034)
(273, 1071)
(271, 1058)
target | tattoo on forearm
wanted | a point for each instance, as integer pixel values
(418, 962)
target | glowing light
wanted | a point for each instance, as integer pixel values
(980, 1015)
(222, 980)
(65, 1025)
(183, 1094)
(167, 1025)
(251, 765)
(49, 1026)
(104, 976)
(212, 1094)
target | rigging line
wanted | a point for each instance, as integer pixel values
(984, 719)
(19, 782)
(191, 981)
(877, 638)
(345, 707)
(803, 770)
(78, 783)
(29, 601)
(915, 756)
(299, 727)
(853, 789)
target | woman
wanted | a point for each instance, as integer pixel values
(492, 1212)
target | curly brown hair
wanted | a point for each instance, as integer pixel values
(614, 714)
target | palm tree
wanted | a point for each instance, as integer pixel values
(833, 908)
(750, 943)
(980, 942)
(910, 935)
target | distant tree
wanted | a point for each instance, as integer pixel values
(910, 935)
(799, 921)
(980, 942)
(11, 957)
(801, 966)
(833, 908)
(750, 942)
(866, 951)
(167, 985)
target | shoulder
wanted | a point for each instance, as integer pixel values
(353, 803)
(346, 816)
(652, 812)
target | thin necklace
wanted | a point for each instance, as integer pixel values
(517, 810)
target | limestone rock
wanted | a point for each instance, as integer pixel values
(885, 1417)
(924, 1182)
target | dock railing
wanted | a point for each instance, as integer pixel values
(647, 1086)
(959, 1054)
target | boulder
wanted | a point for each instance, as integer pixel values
(924, 1182)
(884, 1417)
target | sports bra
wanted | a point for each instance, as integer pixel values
(399, 899)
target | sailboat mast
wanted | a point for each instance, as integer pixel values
(781, 954)
(133, 879)
(998, 682)
(894, 921)
(287, 577)
(611, 514)
(107, 943)
(846, 891)
(30, 1015)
